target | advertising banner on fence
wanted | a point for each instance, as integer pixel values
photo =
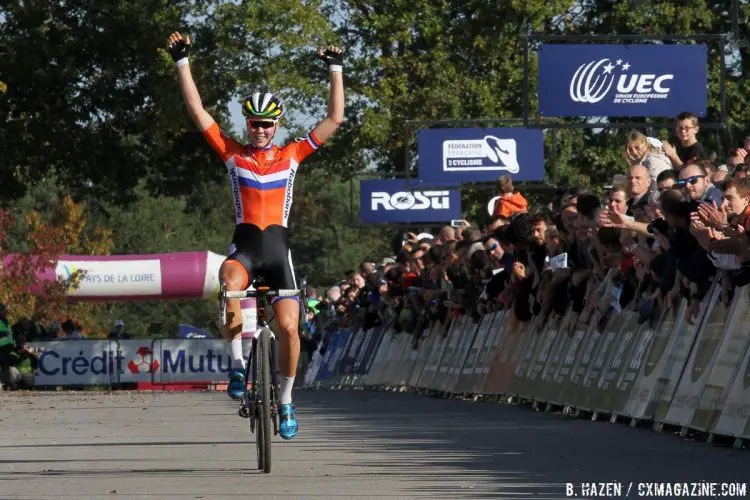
(93, 362)
(480, 155)
(388, 200)
(622, 80)
(78, 362)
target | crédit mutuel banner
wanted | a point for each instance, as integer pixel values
(622, 80)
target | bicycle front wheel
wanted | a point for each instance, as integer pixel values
(264, 393)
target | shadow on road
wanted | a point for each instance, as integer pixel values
(502, 450)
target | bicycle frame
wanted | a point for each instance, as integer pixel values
(251, 403)
(253, 399)
(262, 358)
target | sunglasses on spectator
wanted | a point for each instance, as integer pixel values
(491, 247)
(260, 124)
(692, 180)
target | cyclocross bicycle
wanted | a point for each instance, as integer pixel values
(260, 402)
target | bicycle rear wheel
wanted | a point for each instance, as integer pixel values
(265, 430)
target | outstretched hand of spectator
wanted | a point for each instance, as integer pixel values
(700, 231)
(610, 218)
(669, 150)
(712, 215)
(672, 300)
(691, 313)
(740, 155)
(734, 243)
(519, 270)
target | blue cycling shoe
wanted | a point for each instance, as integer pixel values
(287, 421)
(236, 387)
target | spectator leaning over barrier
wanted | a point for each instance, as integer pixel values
(696, 184)
(640, 186)
(446, 234)
(640, 151)
(689, 148)
(617, 198)
(510, 201)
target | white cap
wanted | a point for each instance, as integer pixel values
(475, 248)
(422, 236)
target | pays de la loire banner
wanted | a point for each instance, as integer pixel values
(480, 155)
(113, 278)
(622, 80)
(389, 200)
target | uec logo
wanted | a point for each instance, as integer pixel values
(592, 82)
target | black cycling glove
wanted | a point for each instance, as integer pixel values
(179, 50)
(332, 58)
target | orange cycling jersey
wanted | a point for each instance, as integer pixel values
(261, 179)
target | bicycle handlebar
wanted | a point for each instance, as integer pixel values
(252, 292)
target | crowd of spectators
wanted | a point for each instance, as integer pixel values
(668, 229)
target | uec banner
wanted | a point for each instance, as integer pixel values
(622, 80)
(480, 155)
(388, 200)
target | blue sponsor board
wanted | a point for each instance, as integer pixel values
(388, 200)
(480, 155)
(622, 80)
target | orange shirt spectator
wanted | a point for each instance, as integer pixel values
(509, 202)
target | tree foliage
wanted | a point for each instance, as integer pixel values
(64, 230)
(90, 107)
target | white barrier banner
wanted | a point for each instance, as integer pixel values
(184, 360)
(78, 362)
(87, 362)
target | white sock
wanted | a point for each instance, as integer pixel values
(286, 390)
(238, 361)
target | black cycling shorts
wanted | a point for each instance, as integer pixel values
(264, 254)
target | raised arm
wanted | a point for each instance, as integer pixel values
(178, 48)
(333, 56)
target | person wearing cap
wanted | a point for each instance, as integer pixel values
(118, 330)
(722, 172)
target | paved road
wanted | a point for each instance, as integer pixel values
(351, 445)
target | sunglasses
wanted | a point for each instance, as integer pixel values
(265, 125)
(692, 180)
(491, 247)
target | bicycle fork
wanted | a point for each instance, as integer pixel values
(274, 387)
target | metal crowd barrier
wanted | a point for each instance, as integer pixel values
(695, 377)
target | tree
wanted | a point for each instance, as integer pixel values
(65, 230)
(326, 240)
(96, 101)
